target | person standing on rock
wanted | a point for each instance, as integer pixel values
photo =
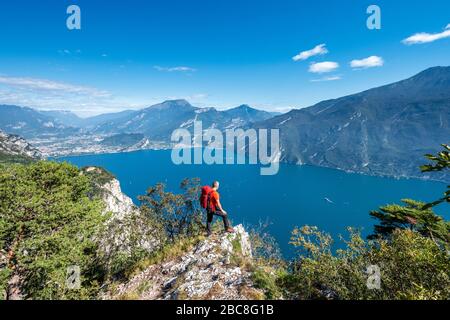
(214, 207)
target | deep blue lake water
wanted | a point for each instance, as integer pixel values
(296, 196)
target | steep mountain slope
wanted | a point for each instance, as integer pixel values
(159, 121)
(102, 118)
(383, 131)
(16, 149)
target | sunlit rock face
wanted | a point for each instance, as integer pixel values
(17, 146)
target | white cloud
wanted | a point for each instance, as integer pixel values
(44, 94)
(53, 95)
(330, 78)
(199, 96)
(49, 85)
(317, 50)
(175, 69)
(323, 67)
(424, 37)
(370, 62)
(67, 52)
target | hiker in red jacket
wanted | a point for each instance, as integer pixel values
(211, 200)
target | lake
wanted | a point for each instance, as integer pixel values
(296, 196)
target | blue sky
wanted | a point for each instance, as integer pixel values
(131, 54)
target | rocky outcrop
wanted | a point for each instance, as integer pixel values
(126, 231)
(107, 187)
(215, 268)
(116, 201)
(14, 145)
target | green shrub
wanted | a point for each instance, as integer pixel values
(47, 223)
(266, 279)
(179, 214)
(411, 267)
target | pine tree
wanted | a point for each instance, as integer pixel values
(413, 215)
(47, 223)
(441, 163)
(417, 215)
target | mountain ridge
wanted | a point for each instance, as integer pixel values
(380, 131)
(158, 121)
(32, 123)
(373, 131)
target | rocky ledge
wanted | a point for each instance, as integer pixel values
(215, 268)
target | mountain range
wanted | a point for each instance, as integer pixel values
(381, 131)
(156, 122)
(28, 122)
(70, 119)
(159, 121)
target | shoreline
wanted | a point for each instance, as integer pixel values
(386, 176)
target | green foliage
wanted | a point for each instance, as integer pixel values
(11, 159)
(268, 264)
(179, 214)
(47, 223)
(126, 241)
(98, 178)
(411, 266)
(265, 247)
(266, 279)
(98, 175)
(237, 258)
(441, 162)
(415, 216)
(236, 244)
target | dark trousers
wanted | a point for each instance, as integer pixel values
(210, 215)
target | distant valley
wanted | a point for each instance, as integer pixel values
(58, 133)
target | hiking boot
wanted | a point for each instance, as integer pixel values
(229, 230)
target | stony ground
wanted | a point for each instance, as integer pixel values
(214, 269)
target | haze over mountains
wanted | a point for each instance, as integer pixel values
(382, 131)
(68, 118)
